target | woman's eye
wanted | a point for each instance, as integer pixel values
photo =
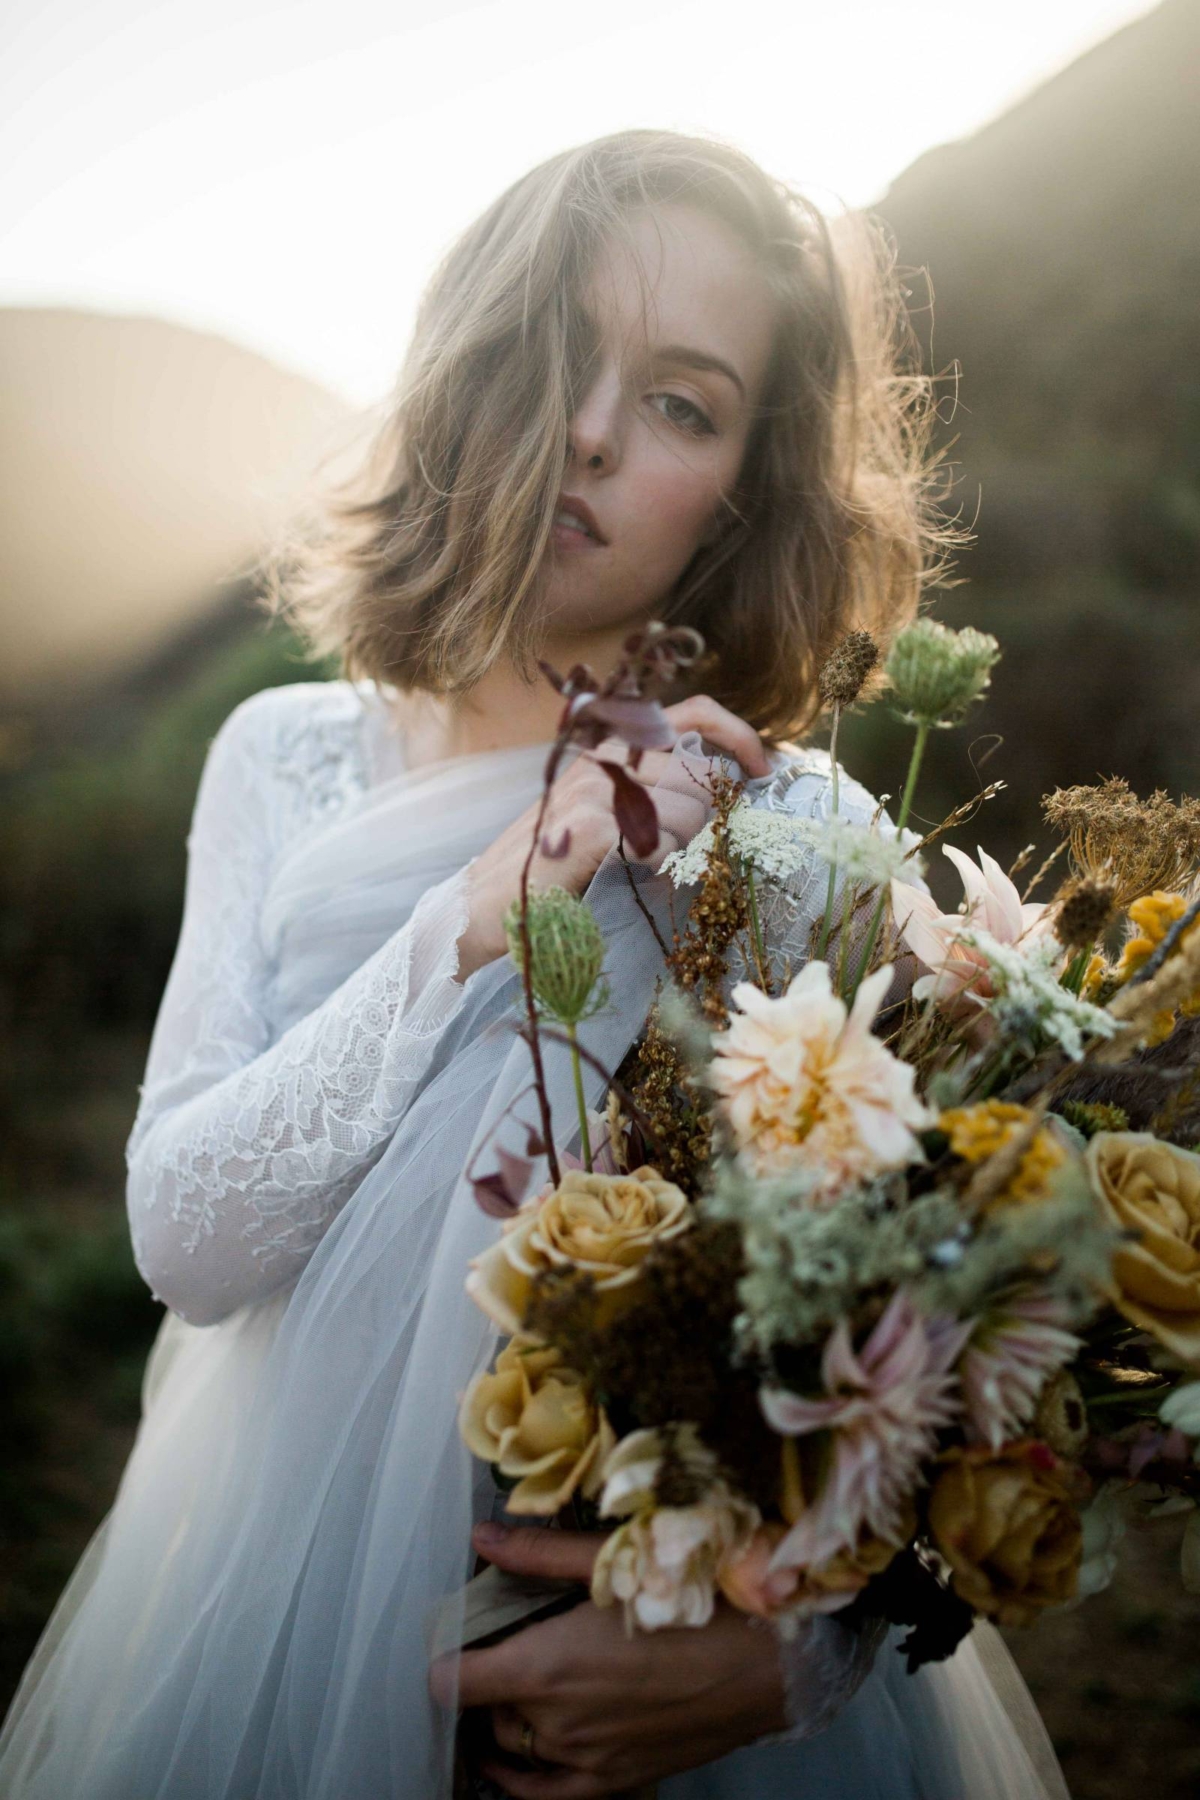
(684, 413)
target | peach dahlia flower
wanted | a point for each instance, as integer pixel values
(807, 1087)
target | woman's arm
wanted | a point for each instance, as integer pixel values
(242, 1152)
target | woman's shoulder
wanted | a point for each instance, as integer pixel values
(303, 739)
(801, 785)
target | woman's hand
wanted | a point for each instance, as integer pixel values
(611, 1712)
(582, 802)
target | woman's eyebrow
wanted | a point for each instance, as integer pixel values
(690, 358)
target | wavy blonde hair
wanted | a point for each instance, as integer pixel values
(419, 570)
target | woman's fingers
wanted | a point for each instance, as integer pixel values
(721, 727)
(533, 1550)
(680, 817)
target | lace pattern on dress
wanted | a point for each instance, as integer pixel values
(243, 1151)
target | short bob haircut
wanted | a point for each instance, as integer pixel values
(419, 570)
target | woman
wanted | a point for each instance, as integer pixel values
(647, 383)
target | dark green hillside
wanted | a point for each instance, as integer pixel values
(1063, 247)
(95, 811)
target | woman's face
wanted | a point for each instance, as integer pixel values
(683, 324)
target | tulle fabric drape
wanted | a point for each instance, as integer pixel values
(250, 1621)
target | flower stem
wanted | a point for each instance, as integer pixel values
(827, 923)
(914, 769)
(760, 953)
(531, 1011)
(1075, 971)
(585, 1142)
(910, 787)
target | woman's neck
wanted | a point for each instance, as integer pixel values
(503, 711)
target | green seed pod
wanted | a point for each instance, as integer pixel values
(567, 950)
(936, 673)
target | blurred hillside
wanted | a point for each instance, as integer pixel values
(144, 464)
(1063, 246)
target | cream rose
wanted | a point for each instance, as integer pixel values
(534, 1418)
(602, 1225)
(1153, 1188)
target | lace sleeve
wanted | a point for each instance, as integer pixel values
(241, 1154)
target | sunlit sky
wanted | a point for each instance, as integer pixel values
(287, 172)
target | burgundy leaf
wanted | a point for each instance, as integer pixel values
(534, 1143)
(492, 1196)
(581, 679)
(516, 1171)
(552, 675)
(639, 722)
(636, 818)
(556, 851)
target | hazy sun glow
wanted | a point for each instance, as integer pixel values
(287, 172)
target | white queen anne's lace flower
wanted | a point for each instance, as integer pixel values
(1027, 995)
(777, 844)
(868, 856)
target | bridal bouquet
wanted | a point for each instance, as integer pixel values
(875, 1287)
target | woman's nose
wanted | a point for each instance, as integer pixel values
(595, 431)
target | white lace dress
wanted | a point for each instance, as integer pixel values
(265, 1104)
(248, 1139)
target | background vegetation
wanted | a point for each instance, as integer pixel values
(1063, 244)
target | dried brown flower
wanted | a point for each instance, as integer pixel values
(654, 1072)
(655, 1076)
(670, 1356)
(842, 675)
(1136, 845)
(1083, 910)
(699, 959)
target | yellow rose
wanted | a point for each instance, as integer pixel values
(1153, 1188)
(1007, 1525)
(534, 1418)
(602, 1225)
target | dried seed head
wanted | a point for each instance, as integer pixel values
(1084, 910)
(1137, 845)
(844, 672)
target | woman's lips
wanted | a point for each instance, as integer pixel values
(574, 519)
(573, 539)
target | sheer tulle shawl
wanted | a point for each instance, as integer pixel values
(251, 1618)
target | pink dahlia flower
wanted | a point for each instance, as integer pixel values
(1011, 1353)
(884, 1405)
(959, 979)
